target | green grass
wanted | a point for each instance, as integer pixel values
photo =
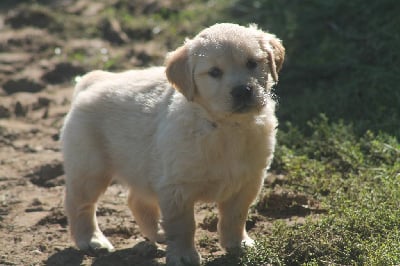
(357, 179)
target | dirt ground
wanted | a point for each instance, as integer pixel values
(35, 94)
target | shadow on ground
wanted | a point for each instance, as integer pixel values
(142, 254)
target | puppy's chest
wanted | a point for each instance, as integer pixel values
(234, 153)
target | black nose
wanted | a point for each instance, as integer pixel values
(243, 99)
(242, 92)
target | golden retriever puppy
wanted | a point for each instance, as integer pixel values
(200, 129)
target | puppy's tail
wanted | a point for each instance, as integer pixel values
(88, 80)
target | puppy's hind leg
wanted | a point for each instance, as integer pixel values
(82, 194)
(86, 180)
(147, 215)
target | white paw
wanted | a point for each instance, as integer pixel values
(248, 242)
(158, 237)
(189, 257)
(98, 243)
(238, 247)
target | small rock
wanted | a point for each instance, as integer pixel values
(20, 110)
(210, 223)
(4, 112)
(56, 137)
(139, 33)
(30, 40)
(120, 230)
(63, 72)
(112, 31)
(55, 217)
(41, 102)
(36, 202)
(34, 209)
(36, 252)
(273, 180)
(11, 63)
(7, 69)
(22, 85)
(144, 57)
(55, 182)
(145, 249)
(48, 175)
(45, 114)
(30, 16)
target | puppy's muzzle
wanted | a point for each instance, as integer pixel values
(243, 98)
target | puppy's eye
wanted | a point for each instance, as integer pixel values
(215, 72)
(251, 64)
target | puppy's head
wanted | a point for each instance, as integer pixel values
(227, 68)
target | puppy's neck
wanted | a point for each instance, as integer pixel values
(231, 119)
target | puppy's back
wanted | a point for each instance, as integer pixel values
(116, 115)
(154, 75)
(89, 79)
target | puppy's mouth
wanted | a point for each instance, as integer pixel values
(245, 107)
(246, 99)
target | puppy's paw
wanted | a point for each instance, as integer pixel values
(239, 248)
(248, 242)
(98, 244)
(158, 237)
(188, 257)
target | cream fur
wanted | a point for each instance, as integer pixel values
(174, 147)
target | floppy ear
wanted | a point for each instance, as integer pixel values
(179, 73)
(276, 54)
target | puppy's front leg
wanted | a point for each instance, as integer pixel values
(179, 226)
(232, 218)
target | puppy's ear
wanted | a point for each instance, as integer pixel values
(276, 53)
(179, 73)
